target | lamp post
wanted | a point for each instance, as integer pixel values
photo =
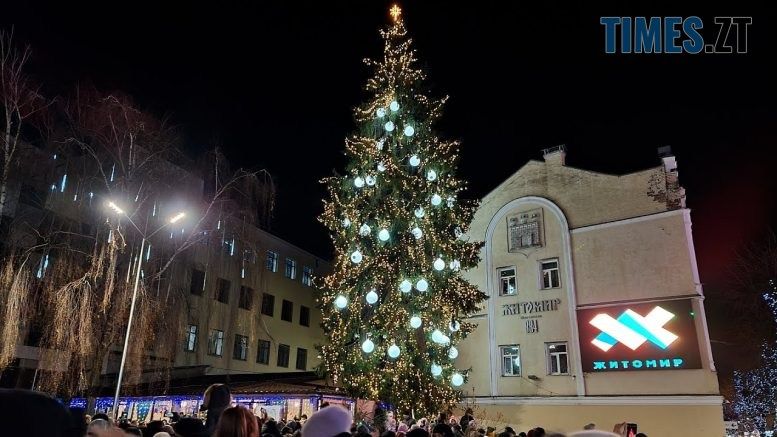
(138, 265)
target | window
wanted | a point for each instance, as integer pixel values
(302, 358)
(197, 286)
(507, 281)
(291, 268)
(216, 342)
(524, 230)
(268, 304)
(550, 274)
(191, 338)
(558, 360)
(263, 352)
(246, 297)
(240, 352)
(222, 290)
(283, 355)
(272, 261)
(304, 316)
(307, 276)
(511, 360)
(287, 311)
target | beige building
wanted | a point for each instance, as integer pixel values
(595, 309)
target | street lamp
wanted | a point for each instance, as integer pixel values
(145, 237)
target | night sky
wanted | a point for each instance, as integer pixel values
(274, 84)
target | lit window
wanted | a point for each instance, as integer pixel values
(240, 351)
(263, 353)
(511, 360)
(191, 338)
(307, 276)
(558, 359)
(550, 273)
(507, 285)
(291, 268)
(216, 342)
(272, 261)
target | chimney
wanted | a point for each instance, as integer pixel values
(555, 155)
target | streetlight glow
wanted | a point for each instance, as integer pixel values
(177, 217)
(115, 208)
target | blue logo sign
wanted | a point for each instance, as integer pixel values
(675, 35)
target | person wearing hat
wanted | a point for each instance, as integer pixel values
(331, 421)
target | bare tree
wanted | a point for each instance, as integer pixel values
(111, 150)
(20, 100)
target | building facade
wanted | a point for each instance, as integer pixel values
(596, 310)
(249, 308)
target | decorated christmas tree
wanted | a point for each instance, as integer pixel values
(395, 303)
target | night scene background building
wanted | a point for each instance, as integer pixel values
(273, 86)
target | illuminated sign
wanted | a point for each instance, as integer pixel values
(650, 336)
(633, 330)
(532, 307)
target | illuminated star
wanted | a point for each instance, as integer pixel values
(395, 12)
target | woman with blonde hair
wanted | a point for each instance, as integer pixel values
(237, 422)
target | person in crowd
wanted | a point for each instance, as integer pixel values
(287, 431)
(539, 432)
(21, 412)
(162, 434)
(270, 429)
(215, 400)
(97, 425)
(236, 422)
(418, 432)
(153, 427)
(190, 427)
(593, 433)
(590, 426)
(133, 431)
(332, 421)
(388, 434)
(466, 418)
(442, 429)
(641, 434)
(521, 434)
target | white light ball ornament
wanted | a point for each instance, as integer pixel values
(419, 212)
(356, 256)
(393, 351)
(436, 370)
(405, 286)
(346, 222)
(439, 264)
(358, 181)
(417, 233)
(379, 144)
(415, 161)
(389, 126)
(455, 265)
(422, 285)
(431, 175)
(415, 322)
(381, 112)
(384, 235)
(341, 302)
(440, 338)
(453, 353)
(368, 346)
(436, 200)
(457, 379)
(409, 131)
(394, 106)
(450, 201)
(381, 167)
(365, 230)
(372, 297)
(454, 326)
(370, 180)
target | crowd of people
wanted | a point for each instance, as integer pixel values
(27, 413)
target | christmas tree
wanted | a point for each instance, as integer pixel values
(756, 389)
(394, 305)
